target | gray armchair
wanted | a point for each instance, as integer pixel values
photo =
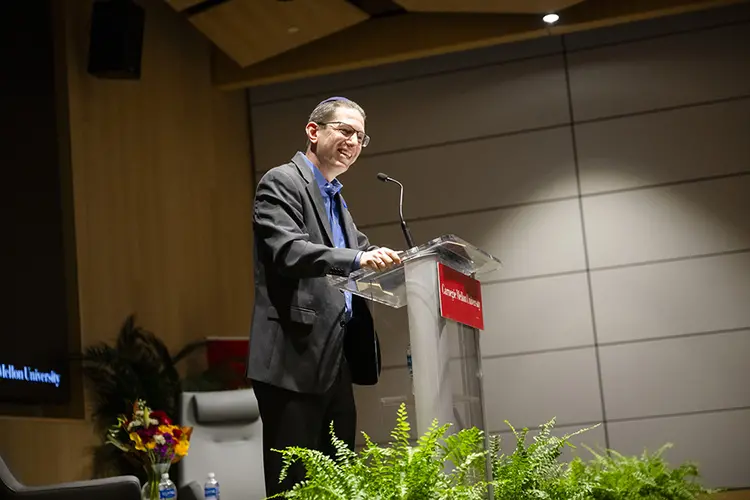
(115, 488)
(227, 439)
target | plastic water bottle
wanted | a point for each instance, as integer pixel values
(167, 489)
(211, 488)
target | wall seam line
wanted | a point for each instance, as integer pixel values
(640, 419)
(576, 163)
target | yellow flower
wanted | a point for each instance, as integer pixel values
(166, 429)
(181, 448)
(151, 445)
(137, 440)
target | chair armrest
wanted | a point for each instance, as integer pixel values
(191, 491)
(113, 488)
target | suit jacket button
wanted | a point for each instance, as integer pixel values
(343, 323)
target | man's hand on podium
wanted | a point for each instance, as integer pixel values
(380, 259)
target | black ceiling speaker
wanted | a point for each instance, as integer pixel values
(116, 39)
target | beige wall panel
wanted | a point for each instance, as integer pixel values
(668, 222)
(520, 237)
(463, 177)
(679, 375)
(430, 111)
(655, 148)
(661, 72)
(513, 323)
(675, 298)
(530, 390)
(658, 27)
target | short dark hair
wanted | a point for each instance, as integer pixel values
(325, 110)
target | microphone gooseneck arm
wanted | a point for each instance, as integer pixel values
(407, 234)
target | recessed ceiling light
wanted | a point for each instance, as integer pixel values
(292, 30)
(551, 18)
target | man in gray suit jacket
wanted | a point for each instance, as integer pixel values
(309, 341)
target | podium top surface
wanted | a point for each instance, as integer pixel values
(389, 287)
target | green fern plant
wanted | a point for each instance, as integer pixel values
(399, 471)
(455, 467)
(614, 476)
(534, 470)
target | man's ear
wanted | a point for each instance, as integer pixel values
(312, 129)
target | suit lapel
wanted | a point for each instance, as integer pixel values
(313, 191)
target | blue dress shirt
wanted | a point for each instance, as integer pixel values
(329, 190)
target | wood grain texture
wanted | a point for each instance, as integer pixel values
(162, 193)
(416, 35)
(250, 31)
(730, 495)
(180, 5)
(497, 7)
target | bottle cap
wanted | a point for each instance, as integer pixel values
(165, 476)
(211, 474)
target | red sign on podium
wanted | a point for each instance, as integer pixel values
(228, 356)
(460, 297)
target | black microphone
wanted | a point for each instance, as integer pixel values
(409, 241)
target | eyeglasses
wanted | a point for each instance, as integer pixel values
(347, 131)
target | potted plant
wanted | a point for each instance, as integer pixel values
(457, 466)
(137, 366)
(150, 439)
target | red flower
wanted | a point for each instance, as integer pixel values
(161, 417)
(147, 433)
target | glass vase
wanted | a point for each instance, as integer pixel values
(150, 490)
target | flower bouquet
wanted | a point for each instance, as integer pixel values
(151, 439)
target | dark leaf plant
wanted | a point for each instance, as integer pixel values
(137, 366)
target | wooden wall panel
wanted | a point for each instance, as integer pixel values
(42, 451)
(162, 191)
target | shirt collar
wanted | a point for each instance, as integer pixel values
(329, 188)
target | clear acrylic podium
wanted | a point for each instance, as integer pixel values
(445, 354)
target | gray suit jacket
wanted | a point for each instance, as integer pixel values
(297, 335)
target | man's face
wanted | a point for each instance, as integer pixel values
(337, 142)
